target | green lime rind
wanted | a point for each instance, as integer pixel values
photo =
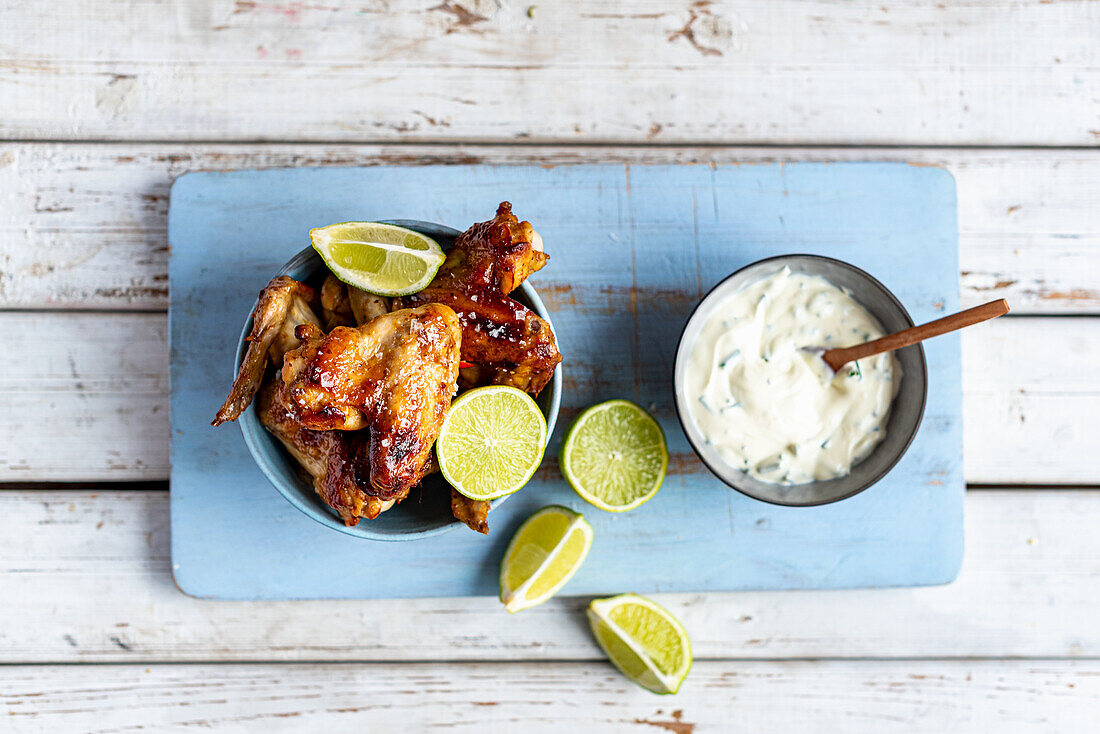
(382, 259)
(614, 456)
(543, 555)
(643, 640)
(491, 442)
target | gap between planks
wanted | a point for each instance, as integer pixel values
(522, 144)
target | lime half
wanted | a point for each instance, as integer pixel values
(544, 554)
(643, 640)
(491, 442)
(614, 456)
(383, 259)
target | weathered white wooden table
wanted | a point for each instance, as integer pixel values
(103, 104)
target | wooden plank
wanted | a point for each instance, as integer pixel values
(1031, 395)
(89, 399)
(866, 696)
(86, 397)
(86, 578)
(672, 71)
(84, 226)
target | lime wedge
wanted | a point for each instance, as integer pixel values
(379, 258)
(614, 456)
(543, 555)
(491, 442)
(643, 640)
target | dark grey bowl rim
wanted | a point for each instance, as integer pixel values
(887, 467)
(254, 432)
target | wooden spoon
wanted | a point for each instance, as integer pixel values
(837, 358)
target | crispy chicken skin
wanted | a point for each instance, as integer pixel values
(509, 343)
(395, 375)
(497, 255)
(329, 457)
(475, 513)
(282, 305)
(512, 344)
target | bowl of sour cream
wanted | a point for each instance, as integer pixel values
(759, 405)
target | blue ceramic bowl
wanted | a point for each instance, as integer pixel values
(427, 510)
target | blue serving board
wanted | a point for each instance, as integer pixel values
(632, 250)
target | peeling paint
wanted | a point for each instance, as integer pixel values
(114, 98)
(463, 17)
(676, 725)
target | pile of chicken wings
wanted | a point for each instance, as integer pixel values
(356, 386)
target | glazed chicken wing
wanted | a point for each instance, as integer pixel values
(331, 458)
(507, 342)
(395, 376)
(282, 306)
(496, 255)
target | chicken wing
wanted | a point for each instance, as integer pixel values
(509, 343)
(475, 513)
(346, 305)
(335, 304)
(282, 306)
(331, 458)
(496, 255)
(394, 375)
(366, 306)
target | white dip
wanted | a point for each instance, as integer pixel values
(771, 408)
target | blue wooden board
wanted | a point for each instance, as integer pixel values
(632, 250)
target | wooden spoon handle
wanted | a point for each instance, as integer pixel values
(837, 358)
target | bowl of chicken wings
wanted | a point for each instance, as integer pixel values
(340, 394)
